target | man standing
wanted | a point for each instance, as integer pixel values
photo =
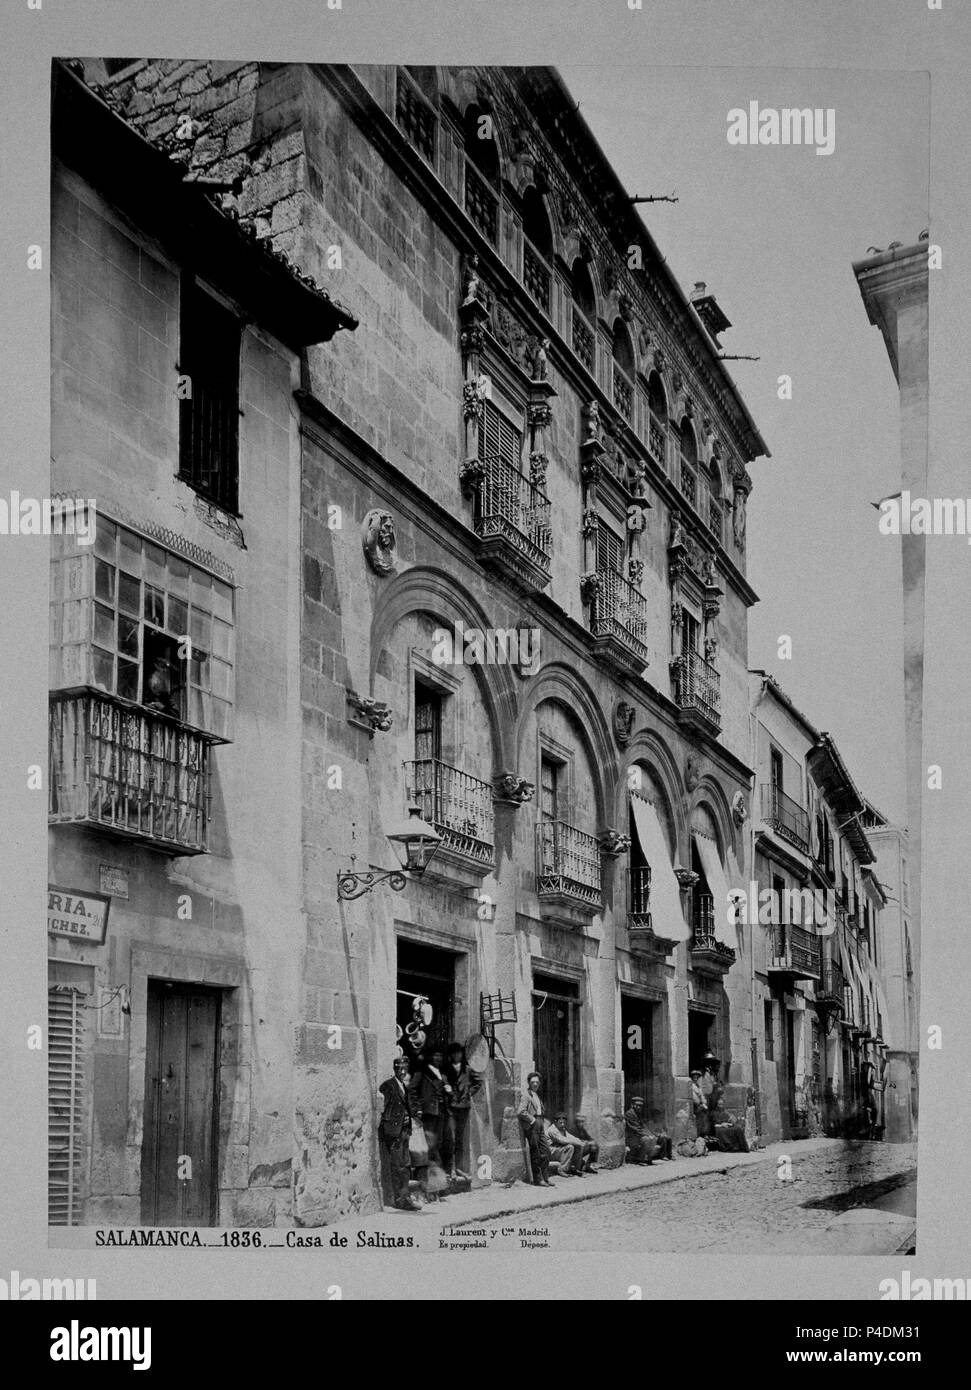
(464, 1083)
(530, 1112)
(395, 1130)
(699, 1104)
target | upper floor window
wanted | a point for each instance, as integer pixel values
(482, 171)
(623, 370)
(584, 314)
(716, 510)
(689, 462)
(209, 350)
(139, 622)
(415, 108)
(658, 425)
(537, 247)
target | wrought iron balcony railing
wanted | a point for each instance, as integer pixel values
(639, 897)
(128, 770)
(623, 393)
(481, 203)
(704, 943)
(457, 804)
(785, 816)
(583, 342)
(568, 863)
(514, 512)
(536, 276)
(795, 950)
(656, 437)
(618, 615)
(832, 983)
(688, 482)
(697, 686)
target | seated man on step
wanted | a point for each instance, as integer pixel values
(643, 1146)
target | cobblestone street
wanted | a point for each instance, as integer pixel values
(752, 1209)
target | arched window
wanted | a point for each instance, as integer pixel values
(623, 370)
(416, 108)
(584, 313)
(482, 171)
(689, 462)
(537, 247)
(658, 427)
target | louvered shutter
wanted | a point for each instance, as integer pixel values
(65, 1042)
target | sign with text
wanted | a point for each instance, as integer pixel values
(81, 916)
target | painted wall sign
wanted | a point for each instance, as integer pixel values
(81, 916)
(114, 881)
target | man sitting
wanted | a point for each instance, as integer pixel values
(589, 1151)
(643, 1146)
(564, 1149)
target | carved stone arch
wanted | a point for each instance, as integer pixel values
(650, 750)
(710, 795)
(426, 589)
(559, 683)
(531, 185)
(656, 382)
(687, 425)
(481, 99)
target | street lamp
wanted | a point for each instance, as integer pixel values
(414, 843)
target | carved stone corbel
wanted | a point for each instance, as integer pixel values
(613, 844)
(510, 790)
(368, 713)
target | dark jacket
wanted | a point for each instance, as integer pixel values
(430, 1094)
(398, 1109)
(464, 1083)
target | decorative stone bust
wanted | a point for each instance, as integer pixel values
(379, 541)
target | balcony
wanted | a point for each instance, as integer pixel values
(481, 203)
(640, 923)
(458, 805)
(688, 482)
(120, 768)
(656, 436)
(512, 522)
(568, 872)
(785, 816)
(794, 953)
(831, 985)
(623, 393)
(536, 276)
(618, 621)
(697, 691)
(583, 341)
(709, 956)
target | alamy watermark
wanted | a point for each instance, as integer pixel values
(905, 515)
(791, 126)
(49, 516)
(490, 646)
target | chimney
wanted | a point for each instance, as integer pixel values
(706, 307)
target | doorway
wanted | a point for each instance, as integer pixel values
(425, 972)
(556, 1043)
(637, 1018)
(179, 1142)
(702, 1037)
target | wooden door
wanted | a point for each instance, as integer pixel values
(179, 1158)
(556, 1044)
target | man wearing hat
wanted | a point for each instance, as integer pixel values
(643, 1145)
(395, 1128)
(699, 1104)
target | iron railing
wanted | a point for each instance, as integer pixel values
(583, 340)
(795, 948)
(623, 392)
(703, 937)
(481, 203)
(457, 804)
(656, 436)
(688, 482)
(832, 982)
(619, 610)
(697, 685)
(786, 817)
(510, 506)
(128, 770)
(639, 897)
(536, 276)
(209, 440)
(567, 862)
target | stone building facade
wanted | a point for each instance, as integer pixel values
(498, 530)
(824, 1029)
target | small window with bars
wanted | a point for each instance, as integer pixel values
(209, 350)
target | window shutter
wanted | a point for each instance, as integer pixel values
(65, 1044)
